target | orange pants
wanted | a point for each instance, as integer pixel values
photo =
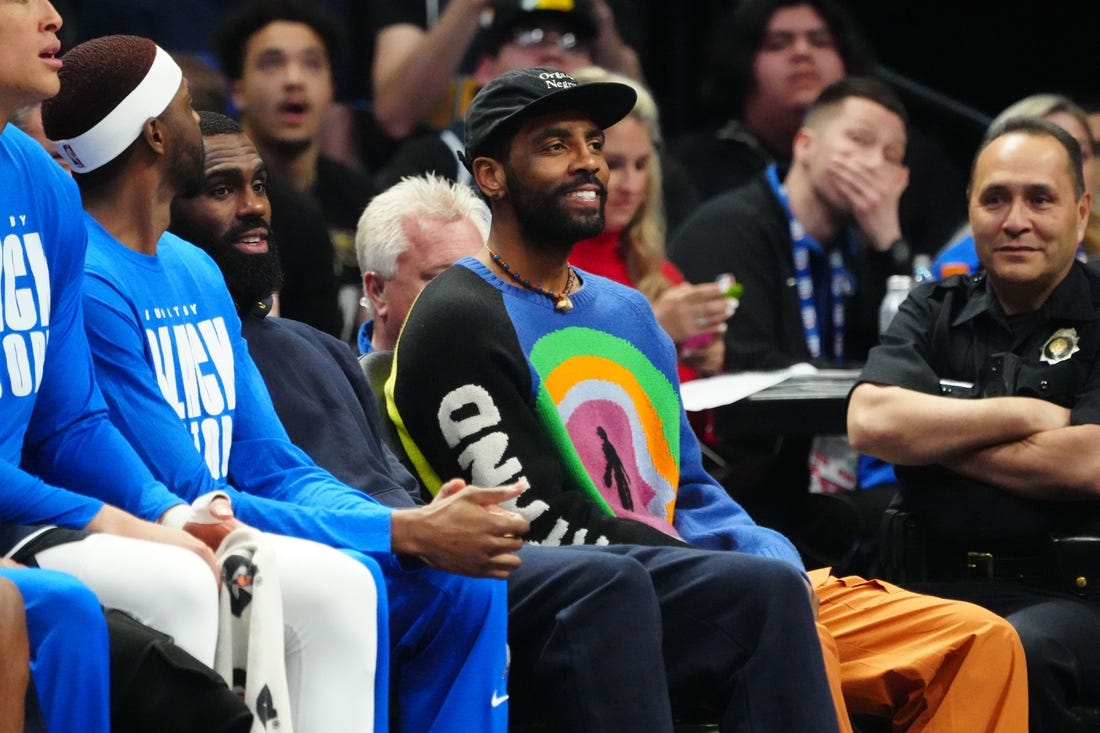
(925, 663)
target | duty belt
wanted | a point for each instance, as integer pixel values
(979, 565)
(1029, 570)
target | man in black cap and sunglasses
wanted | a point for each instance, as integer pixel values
(502, 35)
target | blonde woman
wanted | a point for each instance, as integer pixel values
(631, 249)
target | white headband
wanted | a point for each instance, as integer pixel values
(122, 125)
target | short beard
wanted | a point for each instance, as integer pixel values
(547, 226)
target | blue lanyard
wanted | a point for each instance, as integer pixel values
(840, 279)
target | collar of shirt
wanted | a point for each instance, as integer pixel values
(1071, 299)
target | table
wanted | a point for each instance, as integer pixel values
(802, 404)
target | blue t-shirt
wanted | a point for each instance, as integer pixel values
(54, 430)
(183, 389)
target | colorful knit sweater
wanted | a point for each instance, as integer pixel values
(491, 383)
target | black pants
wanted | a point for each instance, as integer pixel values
(612, 638)
(1061, 639)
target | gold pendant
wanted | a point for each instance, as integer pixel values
(563, 304)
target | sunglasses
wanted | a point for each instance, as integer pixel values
(533, 37)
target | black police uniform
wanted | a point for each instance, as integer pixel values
(982, 544)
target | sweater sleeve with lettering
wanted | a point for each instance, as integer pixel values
(183, 389)
(493, 384)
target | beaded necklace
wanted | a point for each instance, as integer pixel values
(561, 300)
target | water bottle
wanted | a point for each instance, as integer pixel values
(897, 290)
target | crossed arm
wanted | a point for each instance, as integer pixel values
(1023, 445)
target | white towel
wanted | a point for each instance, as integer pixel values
(250, 652)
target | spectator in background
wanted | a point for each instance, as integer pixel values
(1091, 105)
(631, 248)
(279, 57)
(822, 235)
(520, 35)
(813, 250)
(421, 46)
(771, 59)
(186, 28)
(961, 257)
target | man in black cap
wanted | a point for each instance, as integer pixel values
(561, 378)
(738, 630)
(584, 624)
(419, 45)
(512, 34)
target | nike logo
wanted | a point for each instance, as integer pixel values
(498, 700)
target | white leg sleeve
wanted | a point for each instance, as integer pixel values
(162, 586)
(329, 610)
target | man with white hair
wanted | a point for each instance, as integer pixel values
(408, 235)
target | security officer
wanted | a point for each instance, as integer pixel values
(986, 394)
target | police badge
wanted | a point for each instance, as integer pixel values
(1060, 346)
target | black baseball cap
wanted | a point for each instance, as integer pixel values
(507, 14)
(521, 94)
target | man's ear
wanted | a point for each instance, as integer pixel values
(374, 286)
(490, 178)
(803, 142)
(1084, 209)
(153, 132)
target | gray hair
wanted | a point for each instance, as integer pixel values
(380, 236)
(1042, 105)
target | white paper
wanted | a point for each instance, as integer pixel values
(703, 394)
